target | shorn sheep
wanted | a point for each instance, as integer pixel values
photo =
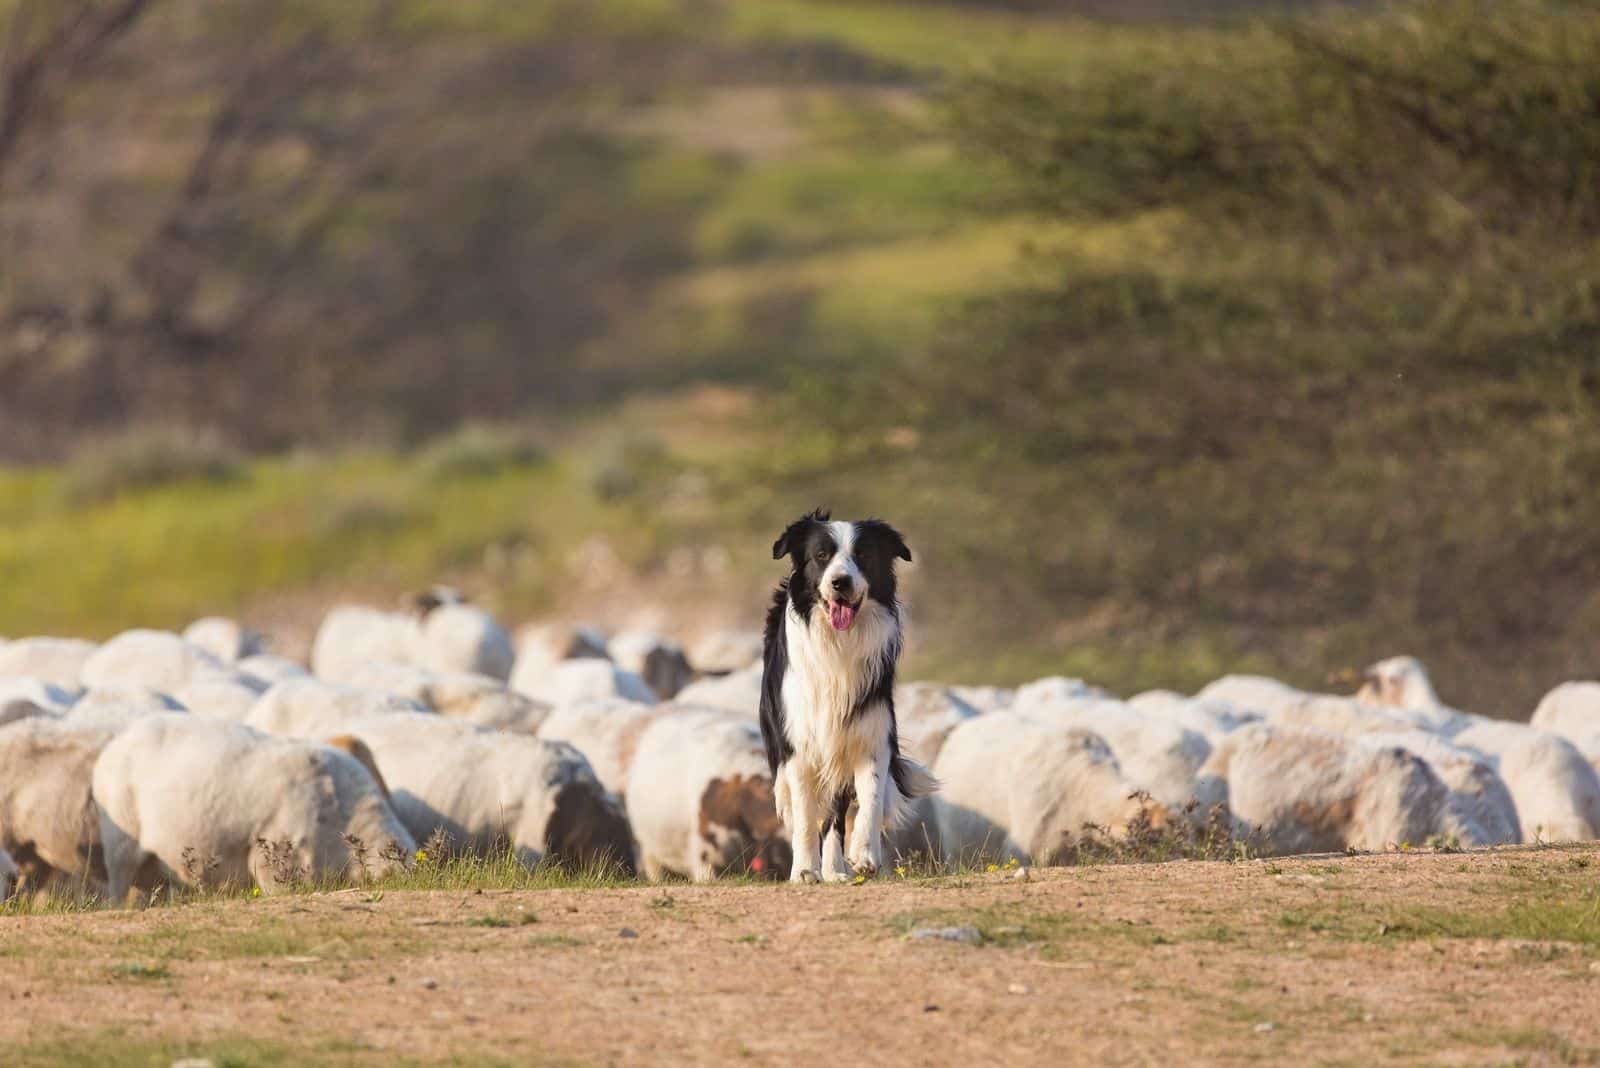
(202, 802)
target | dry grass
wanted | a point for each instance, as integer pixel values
(1184, 959)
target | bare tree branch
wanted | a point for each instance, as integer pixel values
(32, 75)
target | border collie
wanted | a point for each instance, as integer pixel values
(827, 695)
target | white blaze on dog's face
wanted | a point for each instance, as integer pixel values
(839, 565)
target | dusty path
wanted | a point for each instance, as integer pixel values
(1471, 959)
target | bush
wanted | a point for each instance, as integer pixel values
(479, 449)
(1335, 395)
(146, 457)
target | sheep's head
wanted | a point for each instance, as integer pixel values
(423, 604)
(739, 827)
(1399, 682)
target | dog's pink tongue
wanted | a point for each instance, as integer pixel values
(841, 616)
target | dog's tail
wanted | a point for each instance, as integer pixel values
(911, 781)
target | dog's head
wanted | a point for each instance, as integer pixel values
(840, 565)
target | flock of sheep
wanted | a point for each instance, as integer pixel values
(163, 760)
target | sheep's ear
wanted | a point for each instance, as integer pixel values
(424, 603)
(886, 536)
(789, 540)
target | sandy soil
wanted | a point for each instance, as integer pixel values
(1420, 958)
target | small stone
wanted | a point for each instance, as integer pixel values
(930, 1008)
(1019, 988)
(1021, 875)
(969, 936)
(193, 1062)
(1595, 967)
(627, 932)
(1367, 1017)
(1265, 1028)
(1348, 983)
(430, 984)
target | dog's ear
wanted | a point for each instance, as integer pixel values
(789, 540)
(886, 536)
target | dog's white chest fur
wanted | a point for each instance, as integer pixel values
(829, 672)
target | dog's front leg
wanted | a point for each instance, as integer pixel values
(866, 838)
(834, 869)
(805, 822)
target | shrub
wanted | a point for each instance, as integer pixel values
(478, 449)
(147, 457)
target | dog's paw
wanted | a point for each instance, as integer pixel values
(835, 876)
(805, 875)
(864, 867)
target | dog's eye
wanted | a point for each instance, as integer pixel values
(822, 556)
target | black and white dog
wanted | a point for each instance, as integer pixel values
(827, 694)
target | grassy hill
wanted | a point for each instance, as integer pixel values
(1177, 347)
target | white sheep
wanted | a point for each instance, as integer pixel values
(204, 802)
(1015, 787)
(1344, 716)
(268, 668)
(1401, 684)
(226, 639)
(721, 652)
(47, 696)
(925, 713)
(311, 708)
(117, 706)
(656, 660)
(462, 638)
(352, 637)
(1300, 790)
(551, 643)
(739, 692)
(443, 634)
(57, 661)
(1572, 710)
(1555, 789)
(1212, 720)
(1250, 693)
(700, 799)
(47, 815)
(986, 698)
(155, 659)
(478, 699)
(221, 698)
(1054, 690)
(606, 730)
(1481, 810)
(1156, 756)
(488, 790)
(578, 680)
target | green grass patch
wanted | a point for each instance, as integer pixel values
(89, 1049)
(1008, 928)
(937, 38)
(161, 556)
(1548, 1045)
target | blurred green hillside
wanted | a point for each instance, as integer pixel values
(1208, 337)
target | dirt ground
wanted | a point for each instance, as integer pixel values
(1480, 958)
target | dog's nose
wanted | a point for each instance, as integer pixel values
(842, 584)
